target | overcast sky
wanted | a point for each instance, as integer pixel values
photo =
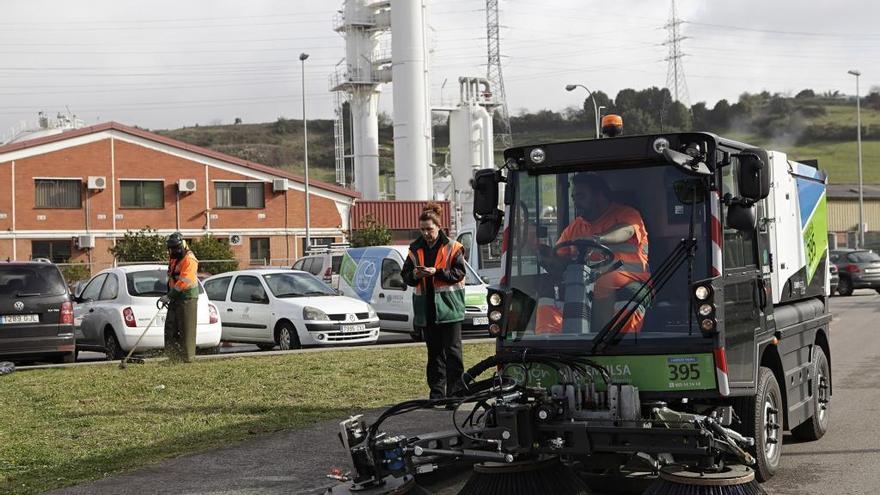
(165, 64)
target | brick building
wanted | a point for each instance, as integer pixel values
(67, 197)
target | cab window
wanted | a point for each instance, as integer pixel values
(739, 246)
(391, 277)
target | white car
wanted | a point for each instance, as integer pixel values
(116, 305)
(288, 309)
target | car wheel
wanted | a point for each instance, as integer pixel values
(111, 345)
(417, 335)
(761, 419)
(286, 337)
(266, 347)
(815, 427)
(844, 287)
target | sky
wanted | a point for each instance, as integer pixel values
(167, 64)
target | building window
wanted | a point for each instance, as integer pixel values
(142, 193)
(239, 194)
(56, 251)
(58, 193)
(259, 250)
(319, 242)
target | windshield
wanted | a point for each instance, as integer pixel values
(470, 276)
(569, 291)
(863, 257)
(296, 285)
(31, 280)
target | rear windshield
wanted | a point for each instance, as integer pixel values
(149, 283)
(31, 280)
(863, 257)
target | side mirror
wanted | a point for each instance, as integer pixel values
(741, 216)
(754, 174)
(488, 228)
(485, 184)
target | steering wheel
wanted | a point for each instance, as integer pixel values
(589, 246)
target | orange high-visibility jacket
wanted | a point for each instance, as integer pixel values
(183, 281)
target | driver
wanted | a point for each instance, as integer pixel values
(617, 226)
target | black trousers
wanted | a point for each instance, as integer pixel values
(445, 366)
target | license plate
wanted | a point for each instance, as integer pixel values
(481, 320)
(353, 328)
(872, 270)
(7, 319)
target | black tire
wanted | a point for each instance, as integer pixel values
(815, 427)
(111, 345)
(844, 287)
(761, 419)
(417, 335)
(266, 347)
(286, 337)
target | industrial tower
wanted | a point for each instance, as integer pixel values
(675, 80)
(493, 73)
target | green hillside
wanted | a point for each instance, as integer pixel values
(805, 127)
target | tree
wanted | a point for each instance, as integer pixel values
(805, 93)
(144, 245)
(213, 248)
(372, 234)
(237, 121)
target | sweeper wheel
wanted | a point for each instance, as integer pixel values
(732, 480)
(546, 475)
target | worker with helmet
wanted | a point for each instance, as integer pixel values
(181, 299)
(611, 224)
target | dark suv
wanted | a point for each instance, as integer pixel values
(857, 268)
(36, 313)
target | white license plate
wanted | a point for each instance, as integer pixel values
(481, 320)
(7, 319)
(872, 270)
(353, 328)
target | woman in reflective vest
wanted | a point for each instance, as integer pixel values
(182, 300)
(435, 269)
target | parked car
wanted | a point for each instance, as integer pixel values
(36, 313)
(116, 305)
(325, 265)
(857, 269)
(288, 309)
(835, 277)
(373, 274)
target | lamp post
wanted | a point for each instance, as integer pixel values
(570, 87)
(861, 237)
(599, 115)
(302, 59)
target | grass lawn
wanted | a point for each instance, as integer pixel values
(62, 427)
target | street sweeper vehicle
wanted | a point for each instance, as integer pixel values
(671, 319)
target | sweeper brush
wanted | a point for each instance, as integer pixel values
(527, 477)
(731, 480)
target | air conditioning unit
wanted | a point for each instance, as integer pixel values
(85, 241)
(279, 185)
(97, 183)
(236, 240)
(186, 185)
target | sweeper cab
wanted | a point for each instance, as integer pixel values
(685, 354)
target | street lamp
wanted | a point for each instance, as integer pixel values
(302, 59)
(861, 237)
(570, 87)
(599, 115)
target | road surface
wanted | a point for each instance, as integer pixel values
(844, 462)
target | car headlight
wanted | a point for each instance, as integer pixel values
(313, 314)
(702, 293)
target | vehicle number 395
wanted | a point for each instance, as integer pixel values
(684, 372)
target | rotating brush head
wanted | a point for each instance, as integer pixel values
(732, 480)
(524, 478)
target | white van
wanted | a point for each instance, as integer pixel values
(486, 259)
(373, 275)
